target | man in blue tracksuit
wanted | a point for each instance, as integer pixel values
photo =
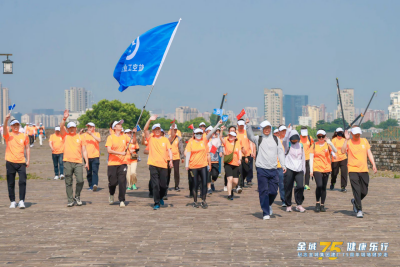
(269, 150)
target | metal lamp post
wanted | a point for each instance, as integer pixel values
(7, 65)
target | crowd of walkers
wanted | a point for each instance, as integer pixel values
(285, 161)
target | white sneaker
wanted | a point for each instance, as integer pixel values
(56, 178)
(13, 205)
(266, 217)
(62, 177)
(270, 210)
(111, 199)
(21, 204)
(95, 187)
(359, 214)
(122, 204)
(239, 190)
(225, 189)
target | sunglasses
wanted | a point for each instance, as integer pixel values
(198, 134)
(321, 136)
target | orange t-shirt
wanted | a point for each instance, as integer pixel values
(73, 148)
(198, 153)
(228, 150)
(338, 143)
(41, 131)
(118, 144)
(58, 143)
(357, 154)
(175, 149)
(322, 159)
(92, 146)
(279, 164)
(128, 155)
(158, 152)
(15, 146)
(307, 145)
(245, 142)
(31, 130)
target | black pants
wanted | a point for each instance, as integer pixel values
(158, 180)
(225, 180)
(117, 176)
(190, 181)
(12, 169)
(213, 174)
(307, 175)
(359, 184)
(244, 170)
(176, 172)
(342, 165)
(31, 139)
(288, 182)
(202, 174)
(321, 179)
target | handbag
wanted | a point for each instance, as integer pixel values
(229, 158)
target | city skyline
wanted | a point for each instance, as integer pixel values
(303, 56)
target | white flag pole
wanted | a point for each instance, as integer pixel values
(159, 68)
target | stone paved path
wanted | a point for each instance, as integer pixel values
(47, 233)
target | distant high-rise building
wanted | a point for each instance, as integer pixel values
(347, 96)
(328, 117)
(4, 102)
(376, 116)
(322, 112)
(252, 114)
(183, 114)
(292, 107)
(313, 112)
(231, 117)
(305, 121)
(394, 107)
(27, 118)
(273, 106)
(16, 115)
(77, 99)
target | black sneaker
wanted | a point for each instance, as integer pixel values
(332, 187)
(165, 198)
(195, 205)
(212, 187)
(323, 208)
(343, 190)
(354, 205)
(177, 188)
(204, 205)
(317, 207)
(230, 198)
(150, 195)
(249, 183)
(209, 191)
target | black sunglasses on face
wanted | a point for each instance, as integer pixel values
(321, 136)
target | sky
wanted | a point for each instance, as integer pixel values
(235, 47)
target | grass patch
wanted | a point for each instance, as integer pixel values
(29, 176)
(102, 154)
(396, 176)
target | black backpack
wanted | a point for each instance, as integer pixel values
(260, 141)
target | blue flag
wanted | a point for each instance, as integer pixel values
(217, 111)
(141, 62)
(11, 107)
(224, 118)
(138, 128)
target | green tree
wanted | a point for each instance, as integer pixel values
(388, 123)
(105, 112)
(367, 125)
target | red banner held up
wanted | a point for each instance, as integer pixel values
(213, 149)
(191, 126)
(240, 114)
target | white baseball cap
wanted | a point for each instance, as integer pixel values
(157, 125)
(198, 130)
(356, 130)
(71, 124)
(176, 127)
(116, 123)
(321, 132)
(241, 122)
(209, 128)
(232, 133)
(14, 122)
(202, 124)
(90, 124)
(282, 128)
(339, 130)
(57, 128)
(128, 131)
(304, 132)
(265, 124)
(276, 130)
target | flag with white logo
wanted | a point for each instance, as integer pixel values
(141, 62)
(217, 111)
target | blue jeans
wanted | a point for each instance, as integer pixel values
(58, 164)
(93, 172)
(281, 186)
(267, 187)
